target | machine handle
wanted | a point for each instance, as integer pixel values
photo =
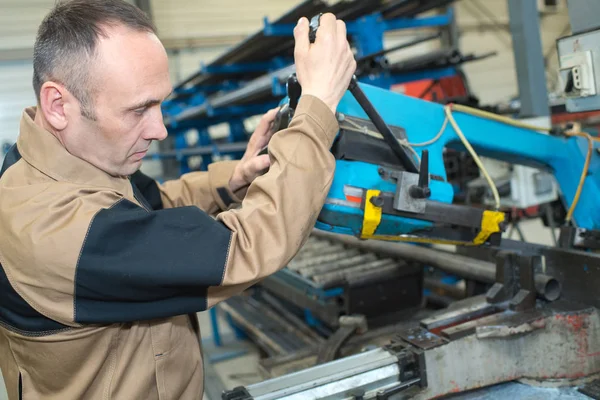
(313, 26)
(403, 155)
(422, 190)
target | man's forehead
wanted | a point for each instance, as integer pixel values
(131, 64)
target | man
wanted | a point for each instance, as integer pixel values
(103, 270)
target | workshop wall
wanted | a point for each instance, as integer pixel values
(19, 20)
(198, 31)
(483, 27)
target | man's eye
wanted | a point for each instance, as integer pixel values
(140, 111)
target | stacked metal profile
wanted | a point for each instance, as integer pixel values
(299, 307)
(327, 264)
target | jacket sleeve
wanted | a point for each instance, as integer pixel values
(121, 262)
(209, 190)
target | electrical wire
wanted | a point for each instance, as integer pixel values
(448, 111)
(584, 173)
(498, 118)
(435, 138)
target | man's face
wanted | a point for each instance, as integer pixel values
(130, 78)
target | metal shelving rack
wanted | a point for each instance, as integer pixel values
(250, 78)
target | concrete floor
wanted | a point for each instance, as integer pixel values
(242, 370)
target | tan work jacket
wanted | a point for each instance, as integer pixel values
(101, 276)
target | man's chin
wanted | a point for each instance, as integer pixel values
(131, 168)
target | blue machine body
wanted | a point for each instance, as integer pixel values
(422, 120)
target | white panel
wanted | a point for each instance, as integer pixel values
(209, 18)
(16, 93)
(19, 20)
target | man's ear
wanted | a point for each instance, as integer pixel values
(55, 103)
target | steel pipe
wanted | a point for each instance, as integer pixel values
(546, 286)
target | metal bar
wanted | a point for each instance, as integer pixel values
(529, 57)
(322, 259)
(328, 312)
(320, 269)
(338, 277)
(421, 22)
(253, 329)
(269, 313)
(317, 250)
(453, 263)
(322, 374)
(466, 267)
(291, 318)
(426, 74)
(248, 315)
(401, 46)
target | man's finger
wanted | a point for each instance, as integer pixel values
(341, 30)
(265, 123)
(258, 165)
(327, 26)
(301, 38)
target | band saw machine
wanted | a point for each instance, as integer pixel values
(538, 323)
(390, 180)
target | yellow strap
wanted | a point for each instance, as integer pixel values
(372, 215)
(490, 223)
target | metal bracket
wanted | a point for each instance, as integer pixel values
(571, 237)
(403, 201)
(515, 281)
(411, 361)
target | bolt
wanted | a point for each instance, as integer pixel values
(377, 201)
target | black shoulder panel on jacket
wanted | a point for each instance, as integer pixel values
(10, 159)
(137, 265)
(148, 188)
(15, 312)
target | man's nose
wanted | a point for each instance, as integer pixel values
(157, 130)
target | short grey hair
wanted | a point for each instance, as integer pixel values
(66, 42)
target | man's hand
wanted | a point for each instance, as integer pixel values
(325, 67)
(252, 165)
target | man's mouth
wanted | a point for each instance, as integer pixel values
(140, 154)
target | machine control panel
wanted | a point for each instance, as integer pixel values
(579, 68)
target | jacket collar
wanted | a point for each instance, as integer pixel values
(43, 151)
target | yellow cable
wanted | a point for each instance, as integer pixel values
(497, 118)
(448, 111)
(584, 173)
(435, 138)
